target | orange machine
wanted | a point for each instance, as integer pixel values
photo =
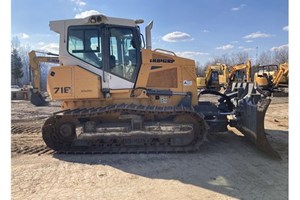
(120, 96)
(272, 77)
(240, 72)
(216, 77)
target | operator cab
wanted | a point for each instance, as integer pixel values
(213, 82)
(112, 48)
(109, 47)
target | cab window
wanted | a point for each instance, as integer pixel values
(122, 52)
(85, 44)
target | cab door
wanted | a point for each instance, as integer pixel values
(123, 58)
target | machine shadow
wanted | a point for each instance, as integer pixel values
(226, 164)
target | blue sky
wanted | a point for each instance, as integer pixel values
(198, 29)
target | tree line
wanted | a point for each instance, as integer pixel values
(275, 57)
(20, 69)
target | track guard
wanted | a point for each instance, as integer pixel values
(251, 122)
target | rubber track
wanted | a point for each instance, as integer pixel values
(49, 129)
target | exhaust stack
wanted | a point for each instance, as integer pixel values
(148, 35)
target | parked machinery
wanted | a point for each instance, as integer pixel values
(272, 78)
(216, 77)
(120, 97)
(240, 72)
(36, 97)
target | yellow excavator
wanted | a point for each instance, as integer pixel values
(120, 96)
(215, 77)
(272, 78)
(240, 72)
(36, 98)
(220, 76)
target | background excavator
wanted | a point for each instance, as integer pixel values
(120, 96)
(36, 97)
(240, 72)
(272, 78)
(216, 77)
(220, 76)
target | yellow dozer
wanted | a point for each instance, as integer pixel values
(120, 96)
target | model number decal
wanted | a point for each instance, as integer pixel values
(62, 90)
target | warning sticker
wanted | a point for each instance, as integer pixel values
(163, 99)
(187, 83)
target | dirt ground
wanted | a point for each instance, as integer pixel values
(226, 167)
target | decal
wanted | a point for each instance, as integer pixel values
(162, 60)
(187, 83)
(86, 90)
(62, 90)
(163, 99)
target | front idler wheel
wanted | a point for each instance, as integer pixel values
(66, 132)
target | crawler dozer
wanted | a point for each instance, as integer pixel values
(120, 96)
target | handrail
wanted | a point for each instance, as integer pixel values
(163, 50)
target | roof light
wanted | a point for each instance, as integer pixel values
(99, 19)
(93, 19)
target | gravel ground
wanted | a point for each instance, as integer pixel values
(226, 167)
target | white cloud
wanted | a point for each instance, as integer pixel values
(285, 46)
(286, 28)
(22, 36)
(249, 41)
(87, 13)
(238, 8)
(245, 49)
(257, 34)
(190, 54)
(177, 37)
(79, 2)
(51, 47)
(225, 47)
(248, 49)
(41, 43)
(205, 31)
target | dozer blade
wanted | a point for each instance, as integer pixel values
(251, 124)
(37, 99)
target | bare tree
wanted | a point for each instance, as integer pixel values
(224, 59)
(265, 58)
(239, 57)
(281, 55)
(200, 70)
(277, 56)
(15, 43)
